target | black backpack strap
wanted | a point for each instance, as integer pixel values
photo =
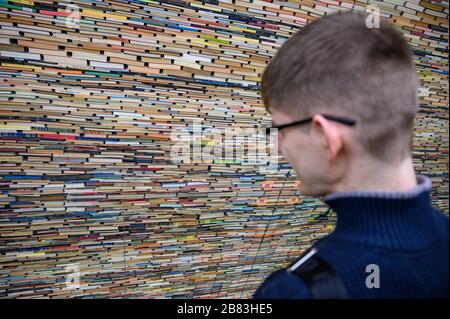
(321, 279)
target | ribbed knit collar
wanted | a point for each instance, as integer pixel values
(401, 220)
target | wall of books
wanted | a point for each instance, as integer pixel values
(92, 204)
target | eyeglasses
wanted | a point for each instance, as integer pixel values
(342, 120)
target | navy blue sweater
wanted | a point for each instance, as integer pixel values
(400, 232)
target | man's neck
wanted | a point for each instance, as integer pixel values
(378, 176)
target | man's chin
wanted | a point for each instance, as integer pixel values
(305, 191)
(309, 191)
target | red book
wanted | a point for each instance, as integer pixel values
(55, 13)
(57, 137)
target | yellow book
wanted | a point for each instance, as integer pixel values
(93, 13)
(22, 1)
(15, 127)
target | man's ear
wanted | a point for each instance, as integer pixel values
(331, 135)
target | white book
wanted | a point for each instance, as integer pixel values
(163, 12)
(414, 6)
(89, 56)
(312, 10)
(20, 55)
(424, 91)
(205, 77)
(189, 64)
(147, 39)
(35, 30)
(141, 43)
(44, 52)
(9, 30)
(65, 61)
(23, 27)
(411, 16)
(332, 2)
(266, 4)
(125, 114)
(396, 2)
(193, 57)
(359, 8)
(325, 9)
(263, 12)
(140, 39)
(74, 185)
(113, 66)
(212, 14)
(383, 5)
(236, 53)
(107, 41)
(122, 143)
(435, 13)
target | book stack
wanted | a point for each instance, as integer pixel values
(91, 95)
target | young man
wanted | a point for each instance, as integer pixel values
(355, 88)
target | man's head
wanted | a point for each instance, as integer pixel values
(338, 66)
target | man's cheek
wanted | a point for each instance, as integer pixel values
(279, 143)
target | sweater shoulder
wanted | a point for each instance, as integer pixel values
(282, 284)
